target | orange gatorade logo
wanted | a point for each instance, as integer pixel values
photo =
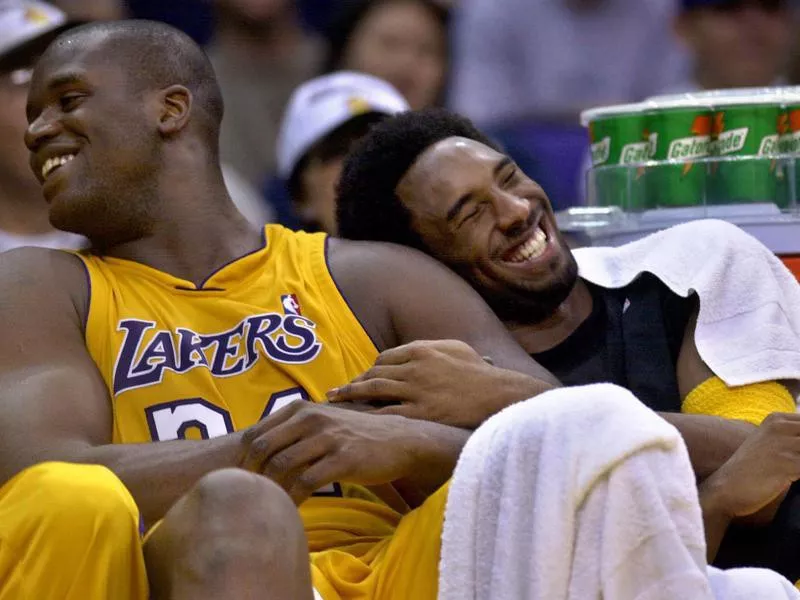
(789, 131)
(697, 145)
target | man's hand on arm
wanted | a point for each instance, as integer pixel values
(306, 446)
(753, 482)
(444, 381)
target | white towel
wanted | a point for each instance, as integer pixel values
(578, 493)
(748, 327)
(749, 584)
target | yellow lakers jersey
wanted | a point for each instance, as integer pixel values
(184, 361)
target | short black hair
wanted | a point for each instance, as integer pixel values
(367, 205)
(156, 55)
(332, 146)
(350, 16)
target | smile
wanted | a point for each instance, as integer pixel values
(531, 249)
(51, 164)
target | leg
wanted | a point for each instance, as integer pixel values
(234, 535)
(69, 532)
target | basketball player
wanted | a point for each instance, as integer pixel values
(431, 180)
(186, 327)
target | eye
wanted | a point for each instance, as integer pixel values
(509, 177)
(70, 101)
(476, 211)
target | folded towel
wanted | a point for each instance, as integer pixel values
(748, 327)
(578, 493)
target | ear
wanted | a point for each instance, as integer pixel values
(176, 106)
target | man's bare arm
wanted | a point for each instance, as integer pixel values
(55, 403)
(711, 440)
(402, 296)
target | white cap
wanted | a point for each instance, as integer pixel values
(23, 21)
(321, 105)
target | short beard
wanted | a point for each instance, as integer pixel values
(528, 307)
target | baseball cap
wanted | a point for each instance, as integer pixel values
(26, 27)
(322, 104)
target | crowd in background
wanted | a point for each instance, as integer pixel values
(521, 69)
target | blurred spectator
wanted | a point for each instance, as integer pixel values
(324, 118)
(735, 43)
(403, 42)
(261, 54)
(194, 17)
(25, 30)
(551, 58)
(92, 10)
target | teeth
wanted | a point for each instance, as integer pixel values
(56, 161)
(533, 248)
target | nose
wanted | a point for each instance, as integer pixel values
(511, 211)
(41, 129)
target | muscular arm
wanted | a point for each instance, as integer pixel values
(55, 403)
(401, 296)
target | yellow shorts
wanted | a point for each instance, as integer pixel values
(401, 565)
(69, 532)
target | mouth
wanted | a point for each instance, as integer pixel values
(54, 163)
(530, 250)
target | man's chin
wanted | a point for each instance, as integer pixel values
(521, 304)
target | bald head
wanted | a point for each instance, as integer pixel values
(127, 108)
(153, 55)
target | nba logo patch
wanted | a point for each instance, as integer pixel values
(291, 306)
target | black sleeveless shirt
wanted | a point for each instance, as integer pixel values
(632, 338)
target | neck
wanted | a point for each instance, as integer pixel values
(274, 40)
(559, 326)
(23, 210)
(197, 231)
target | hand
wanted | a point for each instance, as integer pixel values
(760, 471)
(306, 446)
(444, 381)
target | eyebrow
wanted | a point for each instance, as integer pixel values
(68, 78)
(465, 199)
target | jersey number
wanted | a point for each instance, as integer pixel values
(172, 421)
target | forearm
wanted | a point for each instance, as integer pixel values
(512, 388)
(157, 474)
(436, 454)
(715, 519)
(710, 440)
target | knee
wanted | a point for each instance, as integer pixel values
(234, 500)
(80, 496)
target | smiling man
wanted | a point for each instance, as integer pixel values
(431, 180)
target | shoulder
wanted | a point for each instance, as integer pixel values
(32, 262)
(391, 289)
(43, 279)
(366, 261)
